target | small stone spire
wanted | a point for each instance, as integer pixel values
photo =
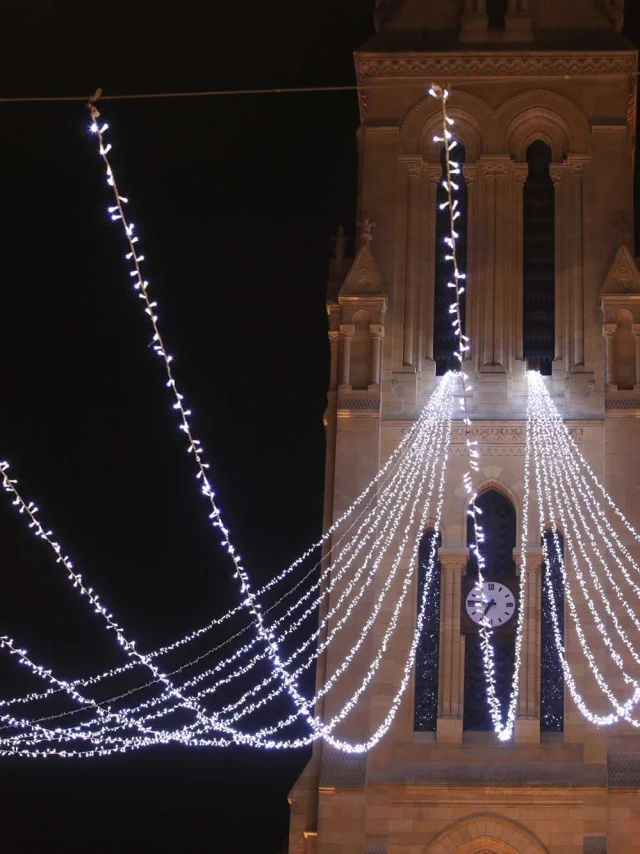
(341, 242)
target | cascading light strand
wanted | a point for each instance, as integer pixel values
(280, 744)
(504, 730)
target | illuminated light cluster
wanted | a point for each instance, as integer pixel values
(390, 514)
(567, 501)
(206, 722)
(504, 730)
(416, 461)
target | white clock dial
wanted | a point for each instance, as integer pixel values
(499, 603)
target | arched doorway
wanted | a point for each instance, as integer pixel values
(485, 833)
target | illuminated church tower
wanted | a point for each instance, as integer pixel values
(544, 102)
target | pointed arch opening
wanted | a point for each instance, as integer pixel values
(496, 13)
(445, 342)
(538, 249)
(499, 526)
(551, 674)
(425, 714)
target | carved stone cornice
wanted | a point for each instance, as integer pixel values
(453, 559)
(459, 65)
(557, 172)
(576, 164)
(495, 165)
(521, 171)
(414, 166)
(347, 330)
(500, 435)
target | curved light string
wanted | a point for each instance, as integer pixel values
(504, 730)
(402, 491)
(429, 444)
(550, 471)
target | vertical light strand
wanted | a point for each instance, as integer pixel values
(504, 730)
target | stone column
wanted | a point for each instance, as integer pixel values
(347, 331)
(576, 167)
(527, 724)
(489, 266)
(502, 229)
(334, 346)
(561, 316)
(635, 328)
(377, 334)
(413, 263)
(609, 332)
(497, 232)
(521, 172)
(434, 174)
(471, 283)
(453, 563)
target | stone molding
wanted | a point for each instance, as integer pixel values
(360, 404)
(494, 831)
(463, 65)
(501, 435)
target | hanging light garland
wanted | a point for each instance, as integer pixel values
(504, 730)
(551, 473)
(403, 491)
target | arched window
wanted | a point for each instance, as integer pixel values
(445, 342)
(625, 352)
(361, 351)
(425, 714)
(539, 260)
(496, 13)
(551, 675)
(499, 526)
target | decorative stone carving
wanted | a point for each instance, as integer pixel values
(623, 276)
(501, 435)
(363, 279)
(366, 227)
(448, 67)
(360, 404)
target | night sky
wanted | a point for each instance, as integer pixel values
(235, 200)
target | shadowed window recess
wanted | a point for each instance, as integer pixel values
(445, 341)
(499, 524)
(425, 714)
(496, 13)
(551, 675)
(539, 260)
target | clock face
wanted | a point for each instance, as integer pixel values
(499, 603)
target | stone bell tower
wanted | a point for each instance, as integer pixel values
(544, 102)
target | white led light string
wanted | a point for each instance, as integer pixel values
(391, 475)
(426, 443)
(39, 530)
(344, 711)
(504, 730)
(194, 445)
(544, 450)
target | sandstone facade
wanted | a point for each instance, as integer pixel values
(562, 73)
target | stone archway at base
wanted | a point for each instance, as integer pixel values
(485, 833)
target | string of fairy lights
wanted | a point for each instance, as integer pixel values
(347, 593)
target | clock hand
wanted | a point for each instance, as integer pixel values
(493, 602)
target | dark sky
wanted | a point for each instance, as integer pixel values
(235, 201)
